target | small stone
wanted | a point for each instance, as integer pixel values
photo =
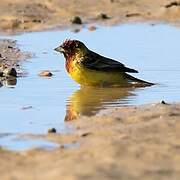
(45, 73)
(51, 130)
(9, 72)
(1, 74)
(36, 20)
(132, 14)
(76, 20)
(86, 134)
(62, 146)
(174, 3)
(103, 16)
(92, 28)
(10, 47)
(163, 102)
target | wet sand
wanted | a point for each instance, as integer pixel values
(23, 15)
(122, 143)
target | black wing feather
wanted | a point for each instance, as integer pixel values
(97, 62)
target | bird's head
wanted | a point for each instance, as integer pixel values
(71, 47)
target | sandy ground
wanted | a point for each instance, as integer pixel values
(140, 142)
(34, 15)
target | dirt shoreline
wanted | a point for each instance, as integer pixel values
(137, 142)
(36, 15)
(10, 59)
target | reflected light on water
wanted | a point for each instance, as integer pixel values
(88, 101)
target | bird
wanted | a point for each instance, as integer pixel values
(89, 68)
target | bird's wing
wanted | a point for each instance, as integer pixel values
(97, 62)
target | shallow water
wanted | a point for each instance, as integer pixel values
(36, 103)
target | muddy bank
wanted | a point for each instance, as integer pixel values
(24, 15)
(10, 59)
(123, 143)
(10, 53)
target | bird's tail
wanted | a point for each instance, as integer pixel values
(138, 82)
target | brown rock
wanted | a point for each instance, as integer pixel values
(103, 16)
(76, 20)
(171, 4)
(132, 14)
(51, 130)
(92, 28)
(45, 73)
(9, 72)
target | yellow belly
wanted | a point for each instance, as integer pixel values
(87, 77)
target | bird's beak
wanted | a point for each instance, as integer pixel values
(59, 49)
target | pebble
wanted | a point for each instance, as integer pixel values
(132, 14)
(86, 134)
(9, 72)
(92, 28)
(36, 20)
(174, 3)
(163, 102)
(10, 47)
(45, 73)
(51, 130)
(1, 74)
(103, 16)
(76, 20)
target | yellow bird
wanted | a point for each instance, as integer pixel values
(91, 69)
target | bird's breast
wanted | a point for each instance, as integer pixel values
(69, 65)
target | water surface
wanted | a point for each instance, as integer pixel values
(152, 50)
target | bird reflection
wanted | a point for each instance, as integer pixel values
(88, 101)
(8, 82)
